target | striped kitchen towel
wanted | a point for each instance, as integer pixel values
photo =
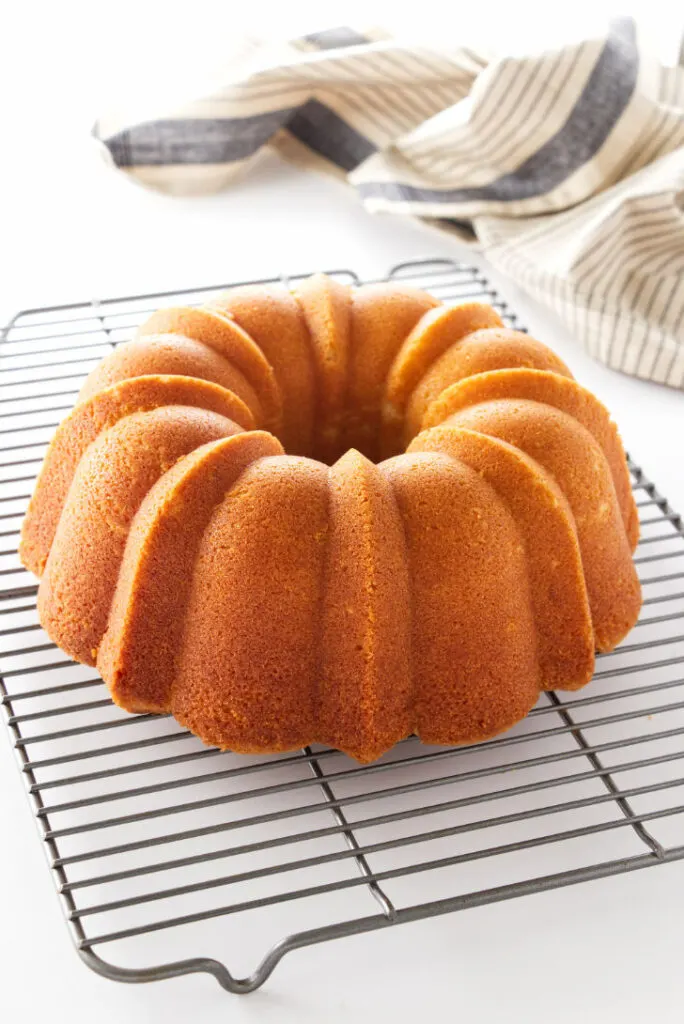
(565, 167)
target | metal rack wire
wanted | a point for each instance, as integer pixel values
(161, 847)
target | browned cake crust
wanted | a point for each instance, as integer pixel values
(215, 532)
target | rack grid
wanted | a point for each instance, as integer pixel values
(162, 848)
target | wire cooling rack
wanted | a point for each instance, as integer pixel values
(163, 849)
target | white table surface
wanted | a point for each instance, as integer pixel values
(606, 951)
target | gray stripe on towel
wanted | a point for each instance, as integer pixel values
(328, 134)
(195, 140)
(227, 140)
(609, 89)
(332, 38)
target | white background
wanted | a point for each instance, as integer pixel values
(70, 229)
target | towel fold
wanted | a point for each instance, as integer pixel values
(565, 167)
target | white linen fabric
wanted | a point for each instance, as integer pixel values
(565, 167)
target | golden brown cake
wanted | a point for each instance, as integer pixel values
(213, 529)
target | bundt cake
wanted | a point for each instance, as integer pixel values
(337, 515)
